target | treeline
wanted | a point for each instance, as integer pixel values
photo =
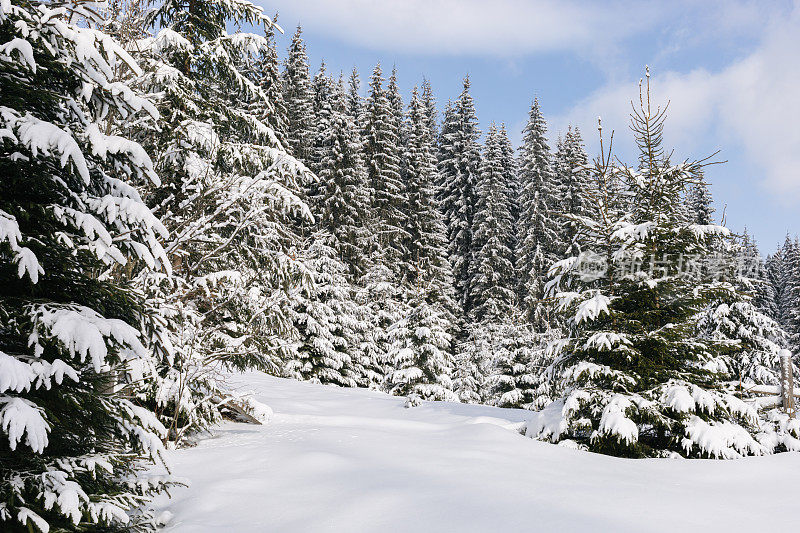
(177, 203)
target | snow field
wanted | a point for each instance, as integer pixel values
(336, 459)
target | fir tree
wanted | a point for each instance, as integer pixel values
(298, 98)
(632, 378)
(343, 196)
(75, 344)
(429, 104)
(327, 321)
(459, 168)
(749, 262)
(383, 304)
(537, 232)
(790, 304)
(421, 339)
(230, 197)
(381, 154)
(784, 282)
(699, 202)
(426, 242)
(572, 183)
(322, 105)
(517, 352)
(492, 275)
(266, 74)
(396, 109)
(420, 352)
(353, 101)
(510, 169)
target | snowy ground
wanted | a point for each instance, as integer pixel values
(353, 460)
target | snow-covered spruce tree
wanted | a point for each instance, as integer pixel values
(510, 167)
(459, 169)
(491, 276)
(322, 88)
(632, 377)
(762, 290)
(774, 274)
(750, 342)
(342, 200)
(382, 159)
(571, 184)
(471, 367)
(353, 102)
(73, 341)
(327, 321)
(429, 104)
(781, 265)
(699, 202)
(492, 269)
(298, 98)
(790, 296)
(518, 351)
(383, 302)
(229, 196)
(266, 74)
(420, 352)
(537, 229)
(425, 259)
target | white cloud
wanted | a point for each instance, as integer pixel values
(518, 27)
(751, 105)
(497, 27)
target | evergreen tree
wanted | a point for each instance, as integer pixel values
(537, 230)
(230, 198)
(699, 201)
(381, 154)
(322, 105)
(492, 275)
(298, 98)
(510, 169)
(459, 168)
(749, 262)
(426, 258)
(420, 352)
(396, 109)
(750, 341)
(75, 343)
(472, 364)
(774, 273)
(632, 378)
(266, 74)
(343, 197)
(790, 308)
(327, 321)
(429, 104)
(783, 281)
(353, 101)
(572, 184)
(517, 350)
(383, 304)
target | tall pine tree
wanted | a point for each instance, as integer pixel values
(298, 98)
(537, 229)
(459, 169)
(492, 274)
(382, 159)
(76, 344)
(633, 378)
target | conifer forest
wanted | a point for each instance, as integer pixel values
(214, 253)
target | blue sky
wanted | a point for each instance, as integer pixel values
(730, 70)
